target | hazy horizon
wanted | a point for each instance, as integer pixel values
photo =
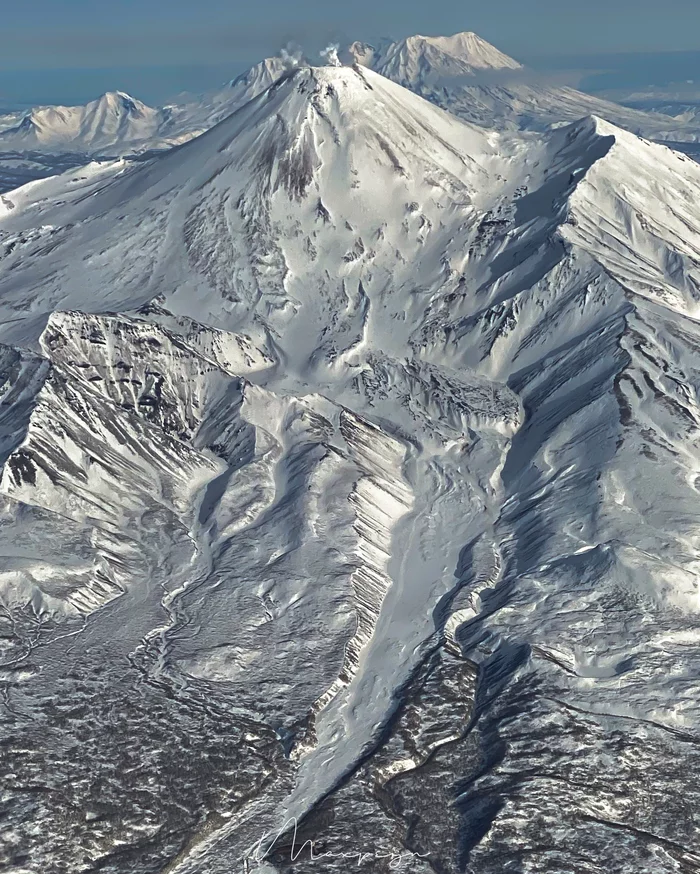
(178, 45)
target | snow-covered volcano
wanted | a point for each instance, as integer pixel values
(350, 474)
(413, 60)
(294, 163)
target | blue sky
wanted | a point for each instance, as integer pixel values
(193, 41)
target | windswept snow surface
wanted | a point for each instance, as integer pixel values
(350, 478)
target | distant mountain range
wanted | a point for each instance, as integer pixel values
(463, 74)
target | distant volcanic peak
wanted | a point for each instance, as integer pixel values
(467, 47)
(463, 52)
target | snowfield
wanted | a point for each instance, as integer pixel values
(350, 478)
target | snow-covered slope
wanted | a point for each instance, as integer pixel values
(350, 475)
(249, 84)
(194, 117)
